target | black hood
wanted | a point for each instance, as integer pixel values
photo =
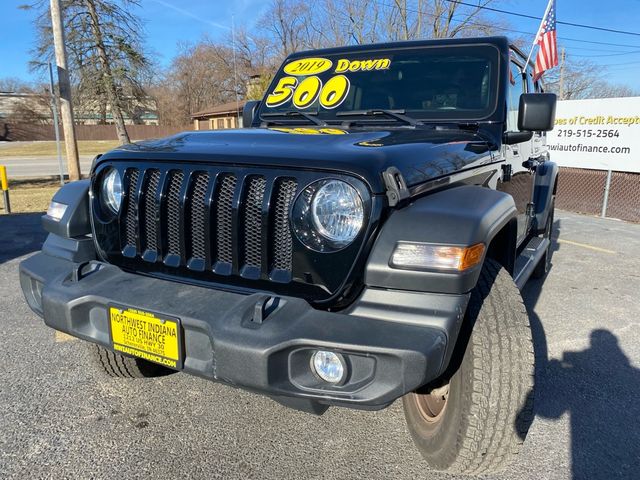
(421, 154)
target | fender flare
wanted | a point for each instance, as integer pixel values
(459, 216)
(76, 221)
(544, 190)
(69, 237)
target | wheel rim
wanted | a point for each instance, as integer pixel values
(432, 404)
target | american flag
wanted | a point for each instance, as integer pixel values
(547, 41)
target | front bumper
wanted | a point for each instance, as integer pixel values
(393, 341)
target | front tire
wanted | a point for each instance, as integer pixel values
(120, 366)
(475, 421)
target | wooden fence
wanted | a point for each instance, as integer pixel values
(31, 132)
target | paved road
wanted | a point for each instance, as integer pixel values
(41, 166)
(60, 419)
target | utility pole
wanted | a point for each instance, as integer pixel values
(561, 86)
(235, 70)
(64, 85)
(56, 126)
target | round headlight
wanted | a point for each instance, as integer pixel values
(111, 191)
(337, 212)
(328, 215)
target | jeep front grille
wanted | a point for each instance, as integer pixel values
(221, 225)
(200, 220)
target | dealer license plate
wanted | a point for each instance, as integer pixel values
(146, 335)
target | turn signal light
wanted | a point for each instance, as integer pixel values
(424, 256)
(56, 210)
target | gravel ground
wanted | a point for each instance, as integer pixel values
(62, 419)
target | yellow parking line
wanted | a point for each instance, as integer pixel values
(63, 337)
(590, 247)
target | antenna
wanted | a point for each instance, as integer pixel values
(235, 67)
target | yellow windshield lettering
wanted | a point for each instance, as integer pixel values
(346, 65)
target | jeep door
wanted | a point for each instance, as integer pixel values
(539, 140)
(518, 178)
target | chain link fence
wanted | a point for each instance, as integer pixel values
(591, 192)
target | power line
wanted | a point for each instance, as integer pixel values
(467, 22)
(608, 55)
(512, 30)
(571, 47)
(625, 68)
(523, 15)
(567, 39)
(619, 64)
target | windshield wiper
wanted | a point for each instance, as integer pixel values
(395, 114)
(295, 113)
(473, 127)
(448, 125)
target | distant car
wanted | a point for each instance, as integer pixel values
(362, 240)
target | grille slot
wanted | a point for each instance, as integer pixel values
(223, 239)
(131, 221)
(173, 213)
(150, 210)
(252, 220)
(197, 215)
(282, 246)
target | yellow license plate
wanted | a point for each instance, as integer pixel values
(146, 335)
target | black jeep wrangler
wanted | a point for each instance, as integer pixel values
(362, 240)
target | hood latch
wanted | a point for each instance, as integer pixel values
(397, 190)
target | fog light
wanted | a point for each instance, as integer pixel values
(328, 366)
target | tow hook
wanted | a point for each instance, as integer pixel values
(264, 307)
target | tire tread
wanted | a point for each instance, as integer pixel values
(120, 366)
(497, 375)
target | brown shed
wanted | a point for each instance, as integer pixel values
(219, 117)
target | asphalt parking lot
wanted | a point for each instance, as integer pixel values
(59, 418)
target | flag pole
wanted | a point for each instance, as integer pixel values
(546, 12)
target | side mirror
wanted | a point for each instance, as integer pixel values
(513, 138)
(248, 112)
(537, 112)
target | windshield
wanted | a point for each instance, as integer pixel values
(426, 83)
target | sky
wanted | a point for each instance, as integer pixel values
(171, 22)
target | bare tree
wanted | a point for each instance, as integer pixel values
(605, 89)
(451, 19)
(584, 79)
(108, 63)
(200, 76)
(108, 79)
(348, 21)
(14, 85)
(293, 25)
(203, 74)
(289, 23)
